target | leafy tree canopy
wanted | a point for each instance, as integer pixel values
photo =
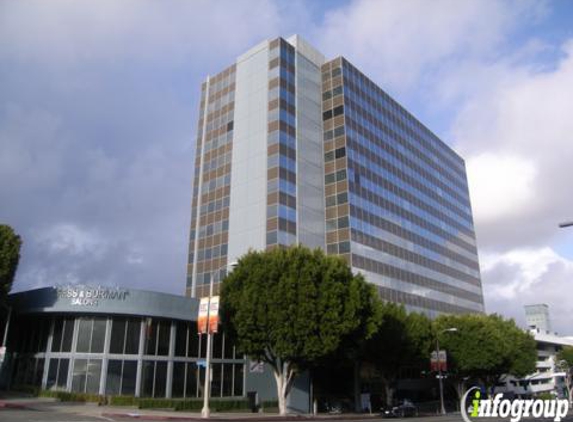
(486, 346)
(291, 307)
(10, 244)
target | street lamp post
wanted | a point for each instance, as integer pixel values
(566, 224)
(206, 411)
(447, 330)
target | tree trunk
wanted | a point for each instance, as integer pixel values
(460, 388)
(569, 380)
(389, 392)
(284, 375)
(357, 401)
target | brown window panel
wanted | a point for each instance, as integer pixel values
(340, 142)
(272, 224)
(338, 101)
(330, 190)
(328, 125)
(273, 104)
(336, 81)
(225, 237)
(331, 212)
(329, 146)
(272, 126)
(329, 168)
(273, 63)
(342, 186)
(274, 43)
(273, 83)
(341, 163)
(272, 173)
(273, 149)
(343, 210)
(344, 235)
(332, 237)
(272, 198)
(338, 121)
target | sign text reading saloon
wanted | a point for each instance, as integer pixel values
(90, 296)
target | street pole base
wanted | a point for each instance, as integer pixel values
(205, 413)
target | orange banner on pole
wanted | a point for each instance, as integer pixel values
(203, 315)
(214, 314)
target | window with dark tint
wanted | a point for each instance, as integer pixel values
(229, 349)
(128, 378)
(98, 335)
(238, 383)
(154, 379)
(117, 341)
(113, 381)
(193, 350)
(132, 336)
(158, 334)
(163, 338)
(58, 334)
(181, 339)
(160, 379)
(216, 381)
(217, 345)
(227, 380)
(178, 386)
(191, 380)
(84, 336)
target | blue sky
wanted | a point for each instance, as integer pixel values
(99, 101)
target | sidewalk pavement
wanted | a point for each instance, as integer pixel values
(133, 413)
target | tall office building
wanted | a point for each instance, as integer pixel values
(294, 149)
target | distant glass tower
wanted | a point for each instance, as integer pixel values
(294, 149)
(537, 318)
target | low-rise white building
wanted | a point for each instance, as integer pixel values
(548, 377)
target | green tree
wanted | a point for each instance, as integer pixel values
(402, 340)
(485, 347)
(564, 360)
(10, 244)
(291, 307)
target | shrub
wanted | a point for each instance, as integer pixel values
(73, 397)
(123, 401)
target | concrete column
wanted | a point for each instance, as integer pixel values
(169, 386)
(105, 357)
(140, 358)
(48, 354)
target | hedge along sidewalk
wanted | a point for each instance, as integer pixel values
(217, 405)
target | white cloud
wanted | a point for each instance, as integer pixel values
(169, 32)
(500, 187)
(515, 133)
(67, 238)
(529, 276)
(401, 42)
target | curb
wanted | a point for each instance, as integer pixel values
(245, 418)
(9, 405)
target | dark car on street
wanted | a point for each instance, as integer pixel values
(403, 410)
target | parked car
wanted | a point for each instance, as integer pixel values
(403, 410)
